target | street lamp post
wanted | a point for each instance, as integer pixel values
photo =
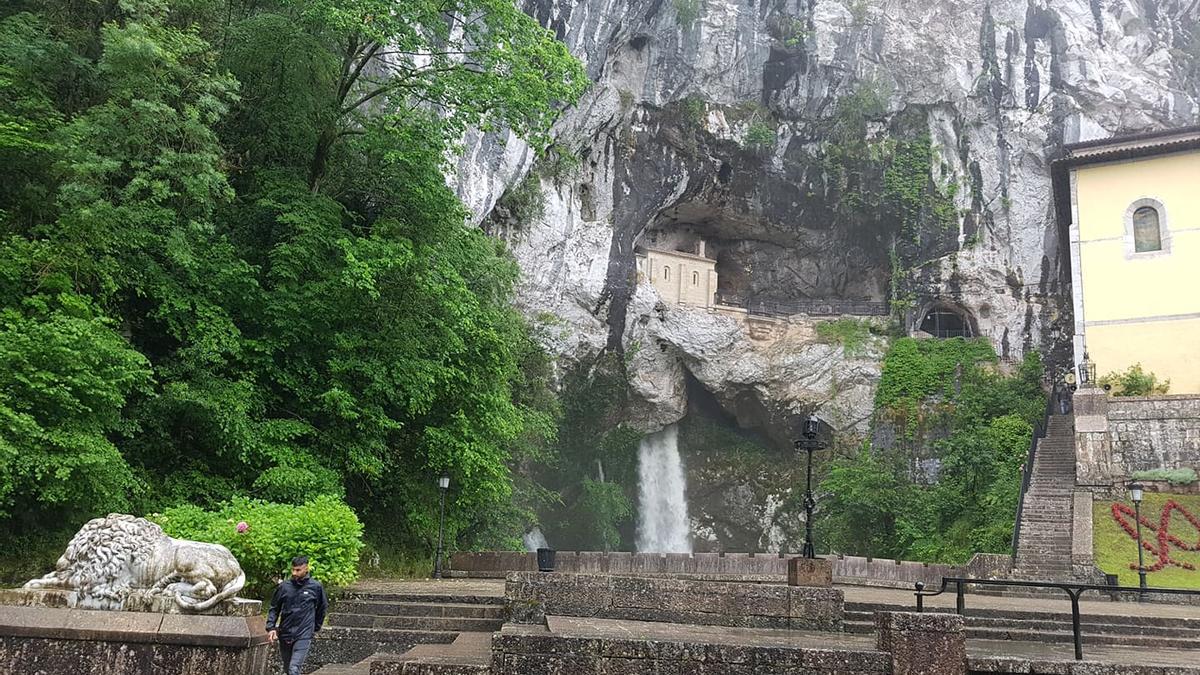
(1135, 492)
(443, 484)
(809, 443)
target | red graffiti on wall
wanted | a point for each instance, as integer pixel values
(1162, 542)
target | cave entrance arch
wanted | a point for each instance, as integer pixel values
(943, 320)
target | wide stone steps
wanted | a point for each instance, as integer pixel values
(422, 623)
(469, 654)
(412, 633)
(1044, 549)
(1115, 630)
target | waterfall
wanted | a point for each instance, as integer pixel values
(663, 520)
(534, 539)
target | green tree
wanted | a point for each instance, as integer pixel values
(237, 213)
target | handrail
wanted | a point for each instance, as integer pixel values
(1072, 590)
(812, 307)
(1039, 432)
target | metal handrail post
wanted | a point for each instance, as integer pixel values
(960, 599)
(1075, 628)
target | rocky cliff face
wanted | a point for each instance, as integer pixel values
(824, 149)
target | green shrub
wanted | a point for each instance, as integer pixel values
(1134, 381)
(760, 135)
(1184, 476)
(687, 11)
(524, 200)
(559, 164)
(852, 333)
(324, 529)
(692, 108)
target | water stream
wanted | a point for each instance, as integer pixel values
(662, 518)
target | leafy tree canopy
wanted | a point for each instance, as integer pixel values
(230, 264)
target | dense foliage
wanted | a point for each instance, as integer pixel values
(1134, 381)
(230, 264)
(325, 530)
(950, 396)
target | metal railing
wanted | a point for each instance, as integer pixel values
(1039, 432)
(1072, 590)
(805, 306)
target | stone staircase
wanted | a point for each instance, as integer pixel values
(1054, 627)
(413, 634)
(1044, 548)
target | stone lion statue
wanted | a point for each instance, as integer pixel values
(110, 557)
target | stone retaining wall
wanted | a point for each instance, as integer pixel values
(59, 640)
(1116, 436)
(530, 596)
(762, 567)
(531, 649)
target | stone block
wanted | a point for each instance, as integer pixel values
(810, 572)
(816, 608)
(58, 640)
(925, 644)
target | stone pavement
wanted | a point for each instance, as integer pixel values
(456, 587)
(979, 650)
(900, 598)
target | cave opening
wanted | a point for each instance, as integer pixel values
(942, 321)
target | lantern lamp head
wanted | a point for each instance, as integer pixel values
(444, 482)
(1135, 492)
(1087, 371)
(811, 426)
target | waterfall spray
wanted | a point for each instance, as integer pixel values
(662, 519)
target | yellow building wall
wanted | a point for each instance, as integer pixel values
(1142, 308)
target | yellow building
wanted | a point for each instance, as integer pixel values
(1134, 233)
(680, 277)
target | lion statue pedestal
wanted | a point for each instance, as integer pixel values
(126, 599)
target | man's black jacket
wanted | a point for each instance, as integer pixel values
(298, 607)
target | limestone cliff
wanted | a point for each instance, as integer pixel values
(737, 119)
(824, 149)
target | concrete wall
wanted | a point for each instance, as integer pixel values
(1134, 306)
(729, 566)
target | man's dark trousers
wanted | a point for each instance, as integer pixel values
(293, 653)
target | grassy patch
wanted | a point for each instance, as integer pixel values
(852, 333)
(1116, 551)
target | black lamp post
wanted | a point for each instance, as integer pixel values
(809, 443)
(443, 484)
(1135, 493)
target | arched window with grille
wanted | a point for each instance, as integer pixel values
(1147, 230)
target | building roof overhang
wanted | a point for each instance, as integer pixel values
(1113, 149)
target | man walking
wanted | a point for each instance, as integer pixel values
(297, 612)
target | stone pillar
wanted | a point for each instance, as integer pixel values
(810, 572)
(1082, 555)
(1093, 446)
(922, 644)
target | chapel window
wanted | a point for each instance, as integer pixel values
(695, 278)
(1147, 231)
(667, 273)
